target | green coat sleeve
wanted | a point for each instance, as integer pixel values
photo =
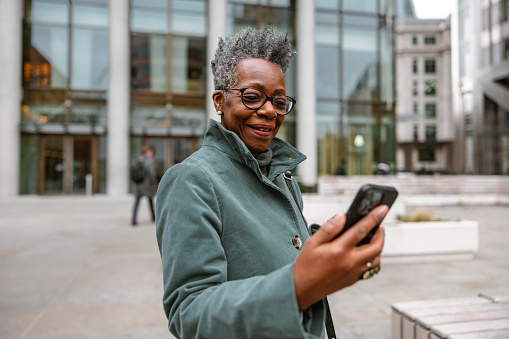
(199, 300)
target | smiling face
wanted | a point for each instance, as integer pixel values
(256, 128)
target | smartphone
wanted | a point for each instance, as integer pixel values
(368, 197)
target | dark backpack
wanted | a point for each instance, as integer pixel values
(137, 171)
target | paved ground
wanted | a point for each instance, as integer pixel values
(72, 267)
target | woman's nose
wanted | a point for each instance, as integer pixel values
(267, 110)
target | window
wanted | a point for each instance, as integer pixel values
(429, 66)
(66, 45)
(168, 46)
(414, 40)
(415, 88)
(431, 110)
(469, 126)
(359, 58)
(430, 87)
(429, 40)
(416, 133)
(506, 49)
(426, 154)
(414, 66)
(360, 6)
(505, 10)
(431, 133)
(416, 107)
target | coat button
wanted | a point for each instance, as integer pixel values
(297, 242)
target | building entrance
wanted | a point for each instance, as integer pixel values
(171, 151)
(64, 163)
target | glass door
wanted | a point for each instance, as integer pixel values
(65, 163)
(171, 151)
(52, 165)
(160, 146)
(84, 164)
(181, 148)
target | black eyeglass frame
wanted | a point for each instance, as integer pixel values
(271, 99)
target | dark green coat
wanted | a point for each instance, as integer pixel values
(225, 236)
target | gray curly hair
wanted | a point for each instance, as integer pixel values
(267, 43)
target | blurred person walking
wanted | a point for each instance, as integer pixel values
(143, 176)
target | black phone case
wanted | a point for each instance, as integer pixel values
(368, 197)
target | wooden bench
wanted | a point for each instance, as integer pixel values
(466, 318)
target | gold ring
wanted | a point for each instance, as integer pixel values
(369, 265)
(367, 275)
(370, 273)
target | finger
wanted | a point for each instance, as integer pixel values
(379, 236)
(330, 229)
(372, 250)
(359, 231)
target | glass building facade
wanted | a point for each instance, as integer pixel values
(354, 44)
(67, 84)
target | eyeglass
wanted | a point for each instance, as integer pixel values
(253, 98)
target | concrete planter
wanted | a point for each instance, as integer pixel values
(436, 238)
(406, 241)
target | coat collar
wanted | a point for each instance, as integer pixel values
(285, 157)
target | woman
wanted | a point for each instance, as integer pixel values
(229, 230)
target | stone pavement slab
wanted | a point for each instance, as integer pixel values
(73, 267)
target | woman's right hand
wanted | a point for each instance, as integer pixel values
(327, 264)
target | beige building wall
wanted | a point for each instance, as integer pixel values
(412, 53)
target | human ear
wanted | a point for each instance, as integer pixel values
(218, 98)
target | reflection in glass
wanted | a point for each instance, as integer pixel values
(327, 35)
(327, 72)
(146, 21)
(142, 116)
(88, 114)
(188, 64)
(160, 154)
(148, 62)
(45, 56)
(185, 24)
(360, 5)
(327, 18)
(181, 149)
(387, 89)
(359, 63)
(104, 2)
(189, 5)
(327, 4)
(281, 3)
(54, 13)
(53, 162)
(240, 16)
(280, 18)
(252, 2)
(195, 118)
(430, 87)
(90, 16)
(43, 114)
(160, 4)
(360, 20)
(28, 164)
(89, 59)
(331, 145)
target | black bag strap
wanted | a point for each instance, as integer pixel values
(329, 325)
